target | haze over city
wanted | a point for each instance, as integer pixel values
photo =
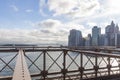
(49, 21)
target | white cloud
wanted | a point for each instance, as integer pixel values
(25, 36)
(57, 28)
(73, 8)
(108, 9)
(12, 35)
(15, 8)
(42, 5)
(84, 8)
(29, 10)
(112, 6)
(91, 24)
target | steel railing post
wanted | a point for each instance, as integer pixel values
(44, 72)
(64, 70)
(81, 64)
(109, 66)
(96, 67)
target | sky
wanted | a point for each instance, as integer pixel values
(49, 21)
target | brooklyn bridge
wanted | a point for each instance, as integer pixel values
(59, 63)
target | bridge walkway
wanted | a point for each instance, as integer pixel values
(21, 71)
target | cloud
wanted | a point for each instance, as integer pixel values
(29, 10)
(50, 24)
(41, 35)
(57, 28)
(112, 6)
(84, 8)
(42, 5)
(73, 8)
(108, 9)
(17, 35)
(15, 8)
(25, 37)
(91, 24)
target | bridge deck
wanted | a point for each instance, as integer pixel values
(21, 71)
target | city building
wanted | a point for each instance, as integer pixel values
(111, 32)
(110, 38)
(75, 38)
(102, 40)
(118, 40)
(88, 40)
(96, 32)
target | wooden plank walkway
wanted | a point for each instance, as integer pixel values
(21, 70)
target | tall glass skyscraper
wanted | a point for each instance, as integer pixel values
(96, 32)
(111, 32)
(75, 38)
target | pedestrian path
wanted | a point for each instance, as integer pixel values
(21, 71)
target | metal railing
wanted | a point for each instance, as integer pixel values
(61, 64)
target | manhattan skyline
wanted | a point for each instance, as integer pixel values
(49, 21)
(110, 38)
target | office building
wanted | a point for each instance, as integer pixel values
(95, 36)
(88, 40)
(111, 32)
(75, 38)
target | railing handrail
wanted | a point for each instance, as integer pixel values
(61, 49)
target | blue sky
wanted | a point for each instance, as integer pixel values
(49, 21)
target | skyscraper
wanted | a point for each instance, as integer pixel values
(102, 40)
(95, 35)
(111, 32)
(88, 40)
(75, 38)
(118, 40)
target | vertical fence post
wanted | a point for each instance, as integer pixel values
(118, 61)
(44, 64)
(109, 66)
(96, 67)
(64, 70)
(81, 69)
(44, 72)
